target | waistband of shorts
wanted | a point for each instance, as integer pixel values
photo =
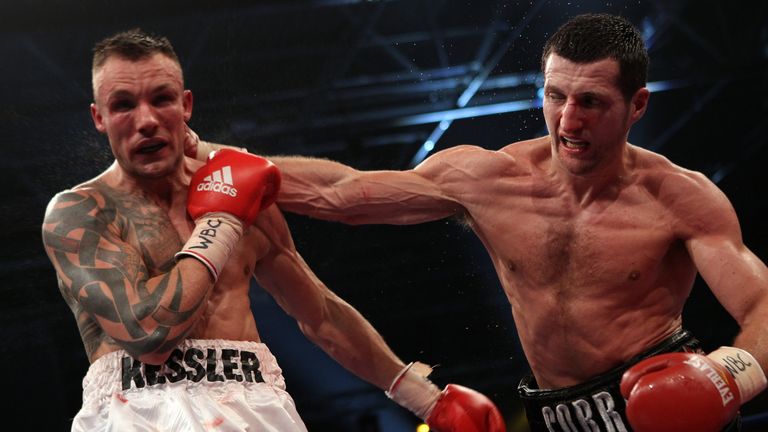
(681, 340)
(193, 362)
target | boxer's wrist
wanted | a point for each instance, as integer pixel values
(212, 241)
(412, 390)
(746, 371)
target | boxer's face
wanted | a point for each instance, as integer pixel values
(587, 116)
(142, 107)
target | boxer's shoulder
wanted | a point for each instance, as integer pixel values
(78, 204)
(690, 198)
(99, 207)
(670, 182)
(470, 162)
(529, 154)
(656, 166)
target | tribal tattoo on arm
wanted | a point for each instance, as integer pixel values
(97, 243)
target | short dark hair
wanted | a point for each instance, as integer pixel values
(134, 44)
(588, 38)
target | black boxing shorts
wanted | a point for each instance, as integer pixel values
(595, 405)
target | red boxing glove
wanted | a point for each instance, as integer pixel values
(462, 409)
(233, 182)
(685, 391)
(226, 193)
(455, 409)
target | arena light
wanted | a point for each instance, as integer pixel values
(445, 118)
(422, 428)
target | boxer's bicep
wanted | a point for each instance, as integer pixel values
(106, 278)
(90, 262)
(712, 235)
(737, 277)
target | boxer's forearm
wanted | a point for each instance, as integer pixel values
(315, 187)
(753, 337)
(351, 340)
(329, 190)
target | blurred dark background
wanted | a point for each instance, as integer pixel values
(366, 83)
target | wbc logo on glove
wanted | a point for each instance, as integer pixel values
(219, 181)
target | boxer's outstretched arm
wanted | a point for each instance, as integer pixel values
(327, 320)
(343, 333)
(329, 190)
(107, 284)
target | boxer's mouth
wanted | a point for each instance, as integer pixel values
(150, 147)
(574, 144)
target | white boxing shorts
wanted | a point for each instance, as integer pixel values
(205, 385)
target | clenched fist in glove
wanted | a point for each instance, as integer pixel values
(690, 392)
(224, 196)
(455, 409)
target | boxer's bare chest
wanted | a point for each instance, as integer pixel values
(541, 238)
(574, 272)
(156, 233)
(159, 232)
(585, 248)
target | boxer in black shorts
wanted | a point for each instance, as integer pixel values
(596, 242)
(596, 405)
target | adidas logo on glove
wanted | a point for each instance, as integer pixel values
(219, 181)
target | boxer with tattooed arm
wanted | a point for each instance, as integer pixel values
(154, 257)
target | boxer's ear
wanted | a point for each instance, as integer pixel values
(187, 101)
(98, 121)
(638, 104)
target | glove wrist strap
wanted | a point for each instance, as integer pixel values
(746, 371)
(412, 390)
(212, 241)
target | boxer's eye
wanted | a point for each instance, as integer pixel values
(554, 96)
(163, 100)
(121, 105)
